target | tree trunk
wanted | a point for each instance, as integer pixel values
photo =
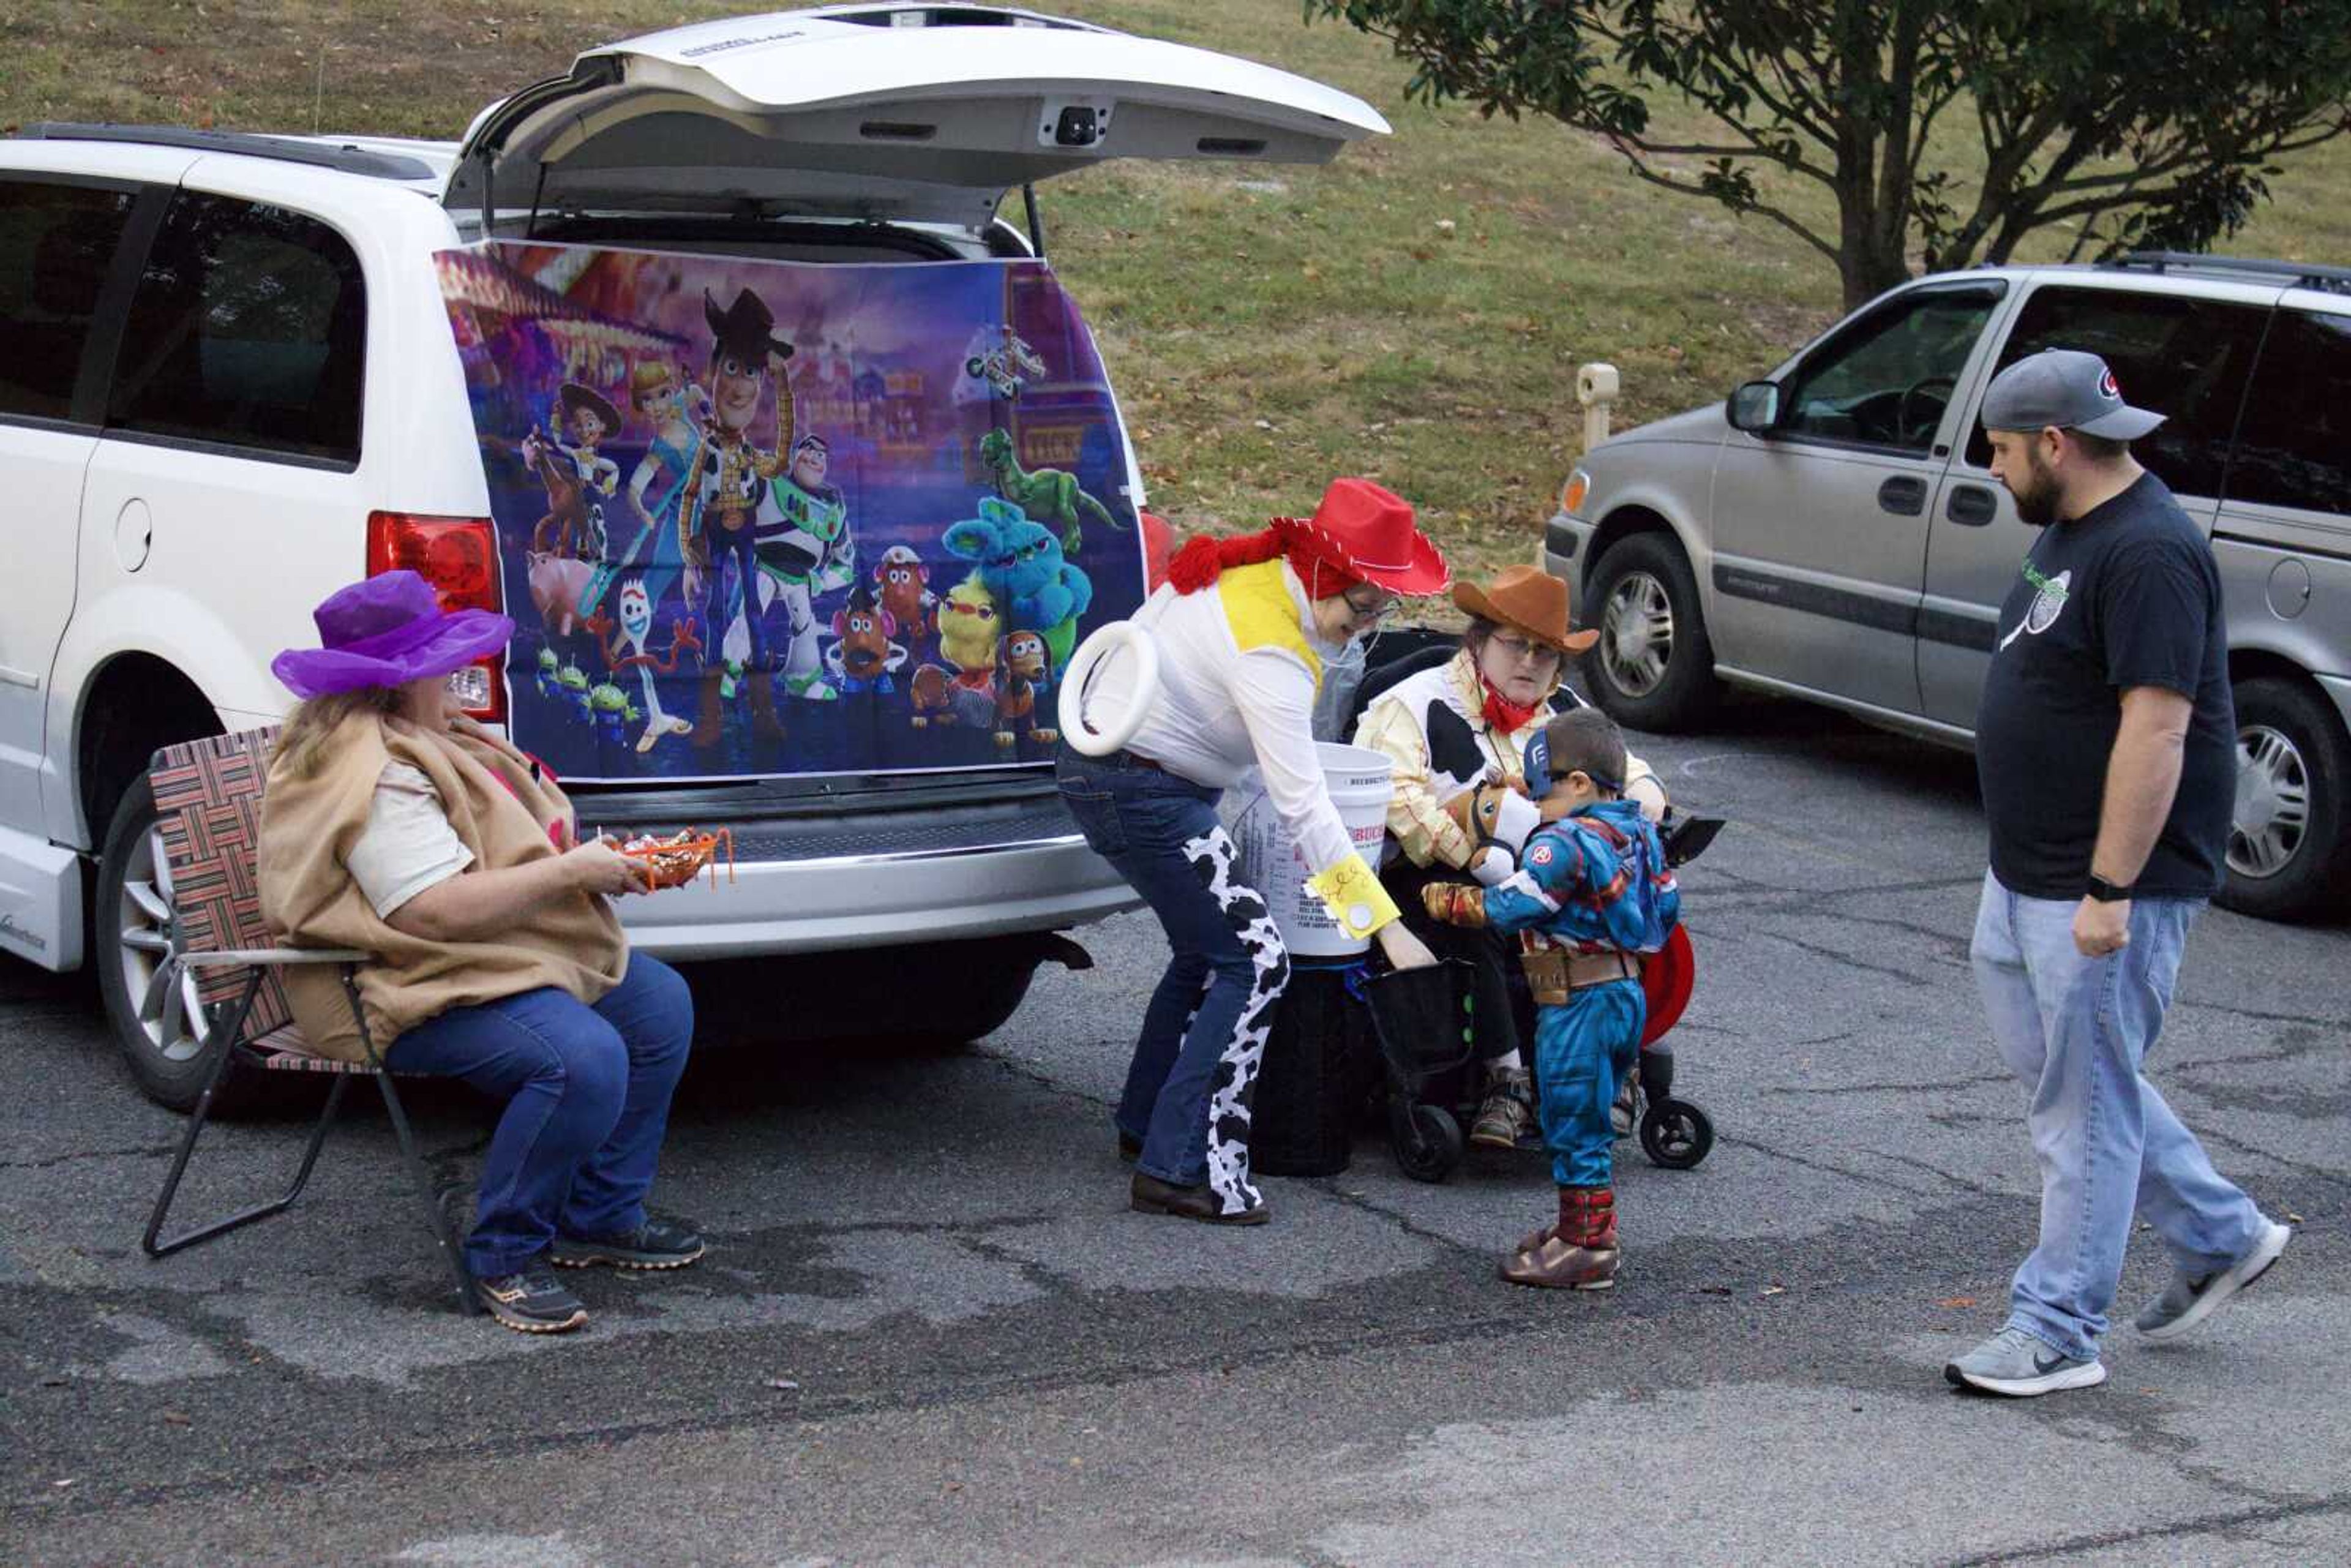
(1870, 258)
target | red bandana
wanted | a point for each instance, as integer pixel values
(1504, 716)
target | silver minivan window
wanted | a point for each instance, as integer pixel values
(1884, 379)
(2187, 359)
(2295, 446)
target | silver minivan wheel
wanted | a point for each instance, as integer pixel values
(2272, 807)
(1636, 634)
(171, 1018)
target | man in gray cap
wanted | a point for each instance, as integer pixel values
(2107, 748)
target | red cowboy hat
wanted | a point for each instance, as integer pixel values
(1667, 977)
(1366, 531)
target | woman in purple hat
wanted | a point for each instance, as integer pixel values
(393, 824)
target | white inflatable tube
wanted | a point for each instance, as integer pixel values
(1121, 728)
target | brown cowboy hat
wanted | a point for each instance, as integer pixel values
(1526, 599)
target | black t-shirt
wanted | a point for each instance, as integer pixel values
(2124, 595)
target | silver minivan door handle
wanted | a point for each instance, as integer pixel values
(1971, 506)
(1903, 495)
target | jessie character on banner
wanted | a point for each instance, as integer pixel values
(1241, 631)
(725, 484)
(1458, 736)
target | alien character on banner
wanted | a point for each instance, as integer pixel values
(725, 484)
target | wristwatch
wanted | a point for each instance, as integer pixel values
(2105, 892)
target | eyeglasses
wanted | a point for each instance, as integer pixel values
(1524, 652)
(1379, 607)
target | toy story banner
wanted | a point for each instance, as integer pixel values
(761, 518)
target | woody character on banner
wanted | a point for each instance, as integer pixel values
(770, 519)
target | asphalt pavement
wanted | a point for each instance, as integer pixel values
(930, 1331)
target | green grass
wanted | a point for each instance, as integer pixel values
(1267, 328)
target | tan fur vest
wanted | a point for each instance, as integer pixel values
(310, 900)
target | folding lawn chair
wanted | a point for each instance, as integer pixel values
(208, 799)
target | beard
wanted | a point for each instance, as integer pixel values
(2037, 498)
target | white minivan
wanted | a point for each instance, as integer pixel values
(231, 386)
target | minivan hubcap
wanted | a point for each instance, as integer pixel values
(170, 1014)
(2272, 802)
(1636, 634)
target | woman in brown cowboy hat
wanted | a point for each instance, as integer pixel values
(1457, 733)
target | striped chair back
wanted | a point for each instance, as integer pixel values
(208, 797)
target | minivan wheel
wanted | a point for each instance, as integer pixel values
(151, 1000)
(1653, 667)
(2288, 850)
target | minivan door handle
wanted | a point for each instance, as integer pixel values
(1903, 495)
(1971, 506)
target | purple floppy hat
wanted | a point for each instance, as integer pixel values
(386, 631)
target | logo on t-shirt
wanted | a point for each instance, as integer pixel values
(2048, 603)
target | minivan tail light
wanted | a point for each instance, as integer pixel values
(459, 556)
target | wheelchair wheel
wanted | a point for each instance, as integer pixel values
(1676, 1134)
(1425, 1138)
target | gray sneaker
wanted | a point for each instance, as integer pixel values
(2015, 1364)
(2191, 1298)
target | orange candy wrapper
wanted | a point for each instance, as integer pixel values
(681, 856)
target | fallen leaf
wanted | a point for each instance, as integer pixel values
(783, 1383)
(1714, 1289)
(2296, 1219)
(175, 1417)
(1956, 1303)
(1774, 1291)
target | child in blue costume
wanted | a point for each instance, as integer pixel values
(1592, 894)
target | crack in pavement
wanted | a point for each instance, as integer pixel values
(2200, 1524)
(142, 1151)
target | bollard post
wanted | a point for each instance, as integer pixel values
(1596, 389)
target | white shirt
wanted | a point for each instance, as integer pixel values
(1225, 708)
(408, 845)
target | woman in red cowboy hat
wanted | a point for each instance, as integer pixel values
(392, 824)
(1457, 735)
(1242, 629)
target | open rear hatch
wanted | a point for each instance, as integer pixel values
(912, 114)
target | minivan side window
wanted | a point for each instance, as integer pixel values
(248, 330)
(2188, 360)
(57, 242)
(1884, 379)
(2293, 448)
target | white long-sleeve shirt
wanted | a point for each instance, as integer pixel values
(1238, 668)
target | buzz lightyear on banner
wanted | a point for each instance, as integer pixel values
(2048, 603)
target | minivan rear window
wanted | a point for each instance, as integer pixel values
(2186, 359)
(57, 241)
(248, 330)
(2294, 449)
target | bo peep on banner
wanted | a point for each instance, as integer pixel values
(768, 518)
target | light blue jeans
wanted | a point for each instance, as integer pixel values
(2076, 1031)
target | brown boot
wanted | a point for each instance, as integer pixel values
(763, 722)
(1580, 1253)
(713, 721)
(1506, 1118)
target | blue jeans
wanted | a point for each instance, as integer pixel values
(587, 1091)
(1188, 1089)
(2076, 1030)
(1585, 1047)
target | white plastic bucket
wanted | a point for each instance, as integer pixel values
(1361, 783)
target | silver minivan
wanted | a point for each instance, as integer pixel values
(1834, 532)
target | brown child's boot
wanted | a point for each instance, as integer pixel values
(1580, 1253)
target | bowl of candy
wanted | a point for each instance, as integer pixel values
(677, 859)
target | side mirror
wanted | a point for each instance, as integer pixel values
(1755, 408)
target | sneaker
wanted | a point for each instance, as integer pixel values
(1620, 1114)
(1507, 1119)
(530, 1302)
(656, 1244)
(2015, 1364)
(2190, 1299)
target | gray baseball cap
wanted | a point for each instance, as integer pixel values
(2068, 389)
